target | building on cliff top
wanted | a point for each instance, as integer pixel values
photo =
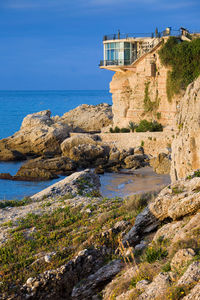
(138, 86)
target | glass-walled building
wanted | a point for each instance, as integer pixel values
(119, 53)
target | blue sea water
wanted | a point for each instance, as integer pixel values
(15, 105)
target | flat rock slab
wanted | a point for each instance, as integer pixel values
(81, 183)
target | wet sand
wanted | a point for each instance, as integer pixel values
(139, 181)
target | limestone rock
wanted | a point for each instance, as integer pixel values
(181, 259)
(58, 284)
(95, 282)
(135, 161)
(77, 140)
(158, 287)
(194, 293)
(128, 93)
(88, 118)
(192, 275)
(142, 285)
(83, 182)
(177, 200)
(38, 135)
(161, 164)
(41, 168)
(186, 145)
(87, 154)
(145, 222)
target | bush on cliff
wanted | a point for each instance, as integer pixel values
(184, 59)
(145, 126)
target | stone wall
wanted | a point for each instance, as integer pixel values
(153, 142)
(146, 77)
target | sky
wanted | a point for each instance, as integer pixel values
(57, 44)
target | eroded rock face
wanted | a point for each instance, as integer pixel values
(132, 89)
(58, 284)
(95, 282)
(172, 203)
(186, 145)
(161, 164)
(181, 259)
(88, 118)
(38, 135)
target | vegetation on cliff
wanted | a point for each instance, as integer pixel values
(184, 60)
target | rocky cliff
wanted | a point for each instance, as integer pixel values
(186, 145)
(140, 93)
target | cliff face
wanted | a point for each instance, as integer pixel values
(186, 145)
(140, 93)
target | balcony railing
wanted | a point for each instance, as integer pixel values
(145, 48)
(116, 62)
(122, 36)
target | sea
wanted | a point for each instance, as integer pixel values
(15, 105)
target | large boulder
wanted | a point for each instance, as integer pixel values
(88, 118)
(186, 145)
(77, 140)
(38, 135)
(84, 149)
(44, 169)
(161, 164)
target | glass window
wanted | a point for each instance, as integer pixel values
(112, 45)
(127, 45)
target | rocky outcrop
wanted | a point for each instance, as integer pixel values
(45, 169)
(161, 164)
(84, 149)
(186, 145)
(173, 203)
(181, 259)
(38, 135)
(79, 183)
(88, 118)
(58, 284)
(94, 283)
(140, 93)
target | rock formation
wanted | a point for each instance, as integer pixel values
(186, 145)
(38, 135)
(140, 93)
(88, 118)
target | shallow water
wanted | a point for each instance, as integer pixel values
(141, 181)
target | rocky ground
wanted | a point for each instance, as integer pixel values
(67, 242)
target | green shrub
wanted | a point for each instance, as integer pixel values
(154, 253)
(184, 58)
(145, 125)
(123, 130)
(13, 203)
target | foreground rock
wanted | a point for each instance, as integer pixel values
(94, 283)
(81, 183)
(174, 202)
(58, 284)
(38, 135)
(88, 118)
(186, 145)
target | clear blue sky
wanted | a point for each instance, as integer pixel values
(57, 44)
